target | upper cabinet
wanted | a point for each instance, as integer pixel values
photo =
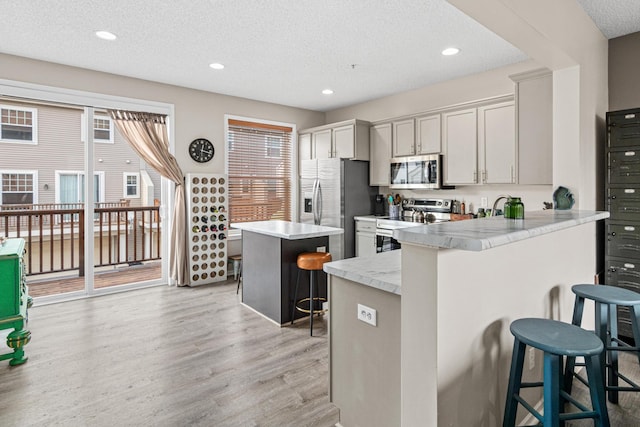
(534, 99)
(479, 145)
(404, 136)
(321, 144)
(304, 146)
(345, 140)
(497, 143)
(460, 145)
(428, 134)
(416, 136)
(379, 166)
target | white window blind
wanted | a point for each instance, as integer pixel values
(259, 157)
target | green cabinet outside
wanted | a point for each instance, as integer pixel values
(14, 299)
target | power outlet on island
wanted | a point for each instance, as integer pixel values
(321, 249)
(367, 315)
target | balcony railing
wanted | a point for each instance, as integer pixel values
(55, 234)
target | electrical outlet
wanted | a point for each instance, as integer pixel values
(483, 202)
(321, 249)
(367, 314)
(532, 358)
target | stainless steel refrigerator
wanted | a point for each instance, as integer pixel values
(333, 191)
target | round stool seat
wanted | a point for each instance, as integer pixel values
(313, 260)
(607, 294)
(556, 337)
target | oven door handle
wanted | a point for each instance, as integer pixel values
(384, 232)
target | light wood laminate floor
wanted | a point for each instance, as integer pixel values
(166, 356)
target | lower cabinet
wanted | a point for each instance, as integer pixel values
(365, 238)
(14, 300)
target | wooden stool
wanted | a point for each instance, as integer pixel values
(556, 340)
(312, 262)
(237, 269)
(607, 300)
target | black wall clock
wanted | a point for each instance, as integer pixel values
(201, 150)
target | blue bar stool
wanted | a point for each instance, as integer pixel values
(607, 300)
(557, 340)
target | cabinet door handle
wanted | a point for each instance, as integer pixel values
(484, 176)
(475, 176)
(513, 175)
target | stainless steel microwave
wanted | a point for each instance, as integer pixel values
(416, 172)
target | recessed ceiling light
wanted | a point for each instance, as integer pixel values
(216, 66)
(327, 92)
(106, 35)
(450, 51)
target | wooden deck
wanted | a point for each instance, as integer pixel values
(102, 279)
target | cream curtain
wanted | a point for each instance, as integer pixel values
(147, 134)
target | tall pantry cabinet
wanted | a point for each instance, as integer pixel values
(622, 258)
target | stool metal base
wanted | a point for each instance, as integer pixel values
(313, 289)
(321, 311)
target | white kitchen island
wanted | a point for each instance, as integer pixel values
(269, 253)
(462, 284)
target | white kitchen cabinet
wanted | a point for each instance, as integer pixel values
(345, 140)
(304, 147)
(497, 143)
(404, 138)
(480, 145)
(321, 144)
(416, 137)
(428, 134)
(365, 237)
(534, 99)
(460, 144)
(380, 146)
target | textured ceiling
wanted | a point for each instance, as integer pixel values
(614, 18)
(280, 51)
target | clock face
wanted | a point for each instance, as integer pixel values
(201, 150)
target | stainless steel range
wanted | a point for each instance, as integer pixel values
(414, 212)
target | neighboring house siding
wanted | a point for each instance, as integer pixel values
(60, 148)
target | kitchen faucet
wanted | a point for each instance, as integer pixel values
(493, 210)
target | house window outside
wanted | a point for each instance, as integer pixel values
(102, 129)
(131, 183)
(17, 187)
(259, 165)
(18, 124)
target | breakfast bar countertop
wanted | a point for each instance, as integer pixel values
(288, 230)
(380, 271)
(486, 233)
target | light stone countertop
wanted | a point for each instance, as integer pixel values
(288, 230)
(380, 271)
(486, 233)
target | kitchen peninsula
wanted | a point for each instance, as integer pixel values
(461, 285)
(269, 253)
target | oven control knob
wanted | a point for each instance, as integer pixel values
(439, 203)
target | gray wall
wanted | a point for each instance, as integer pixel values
(624, 67)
